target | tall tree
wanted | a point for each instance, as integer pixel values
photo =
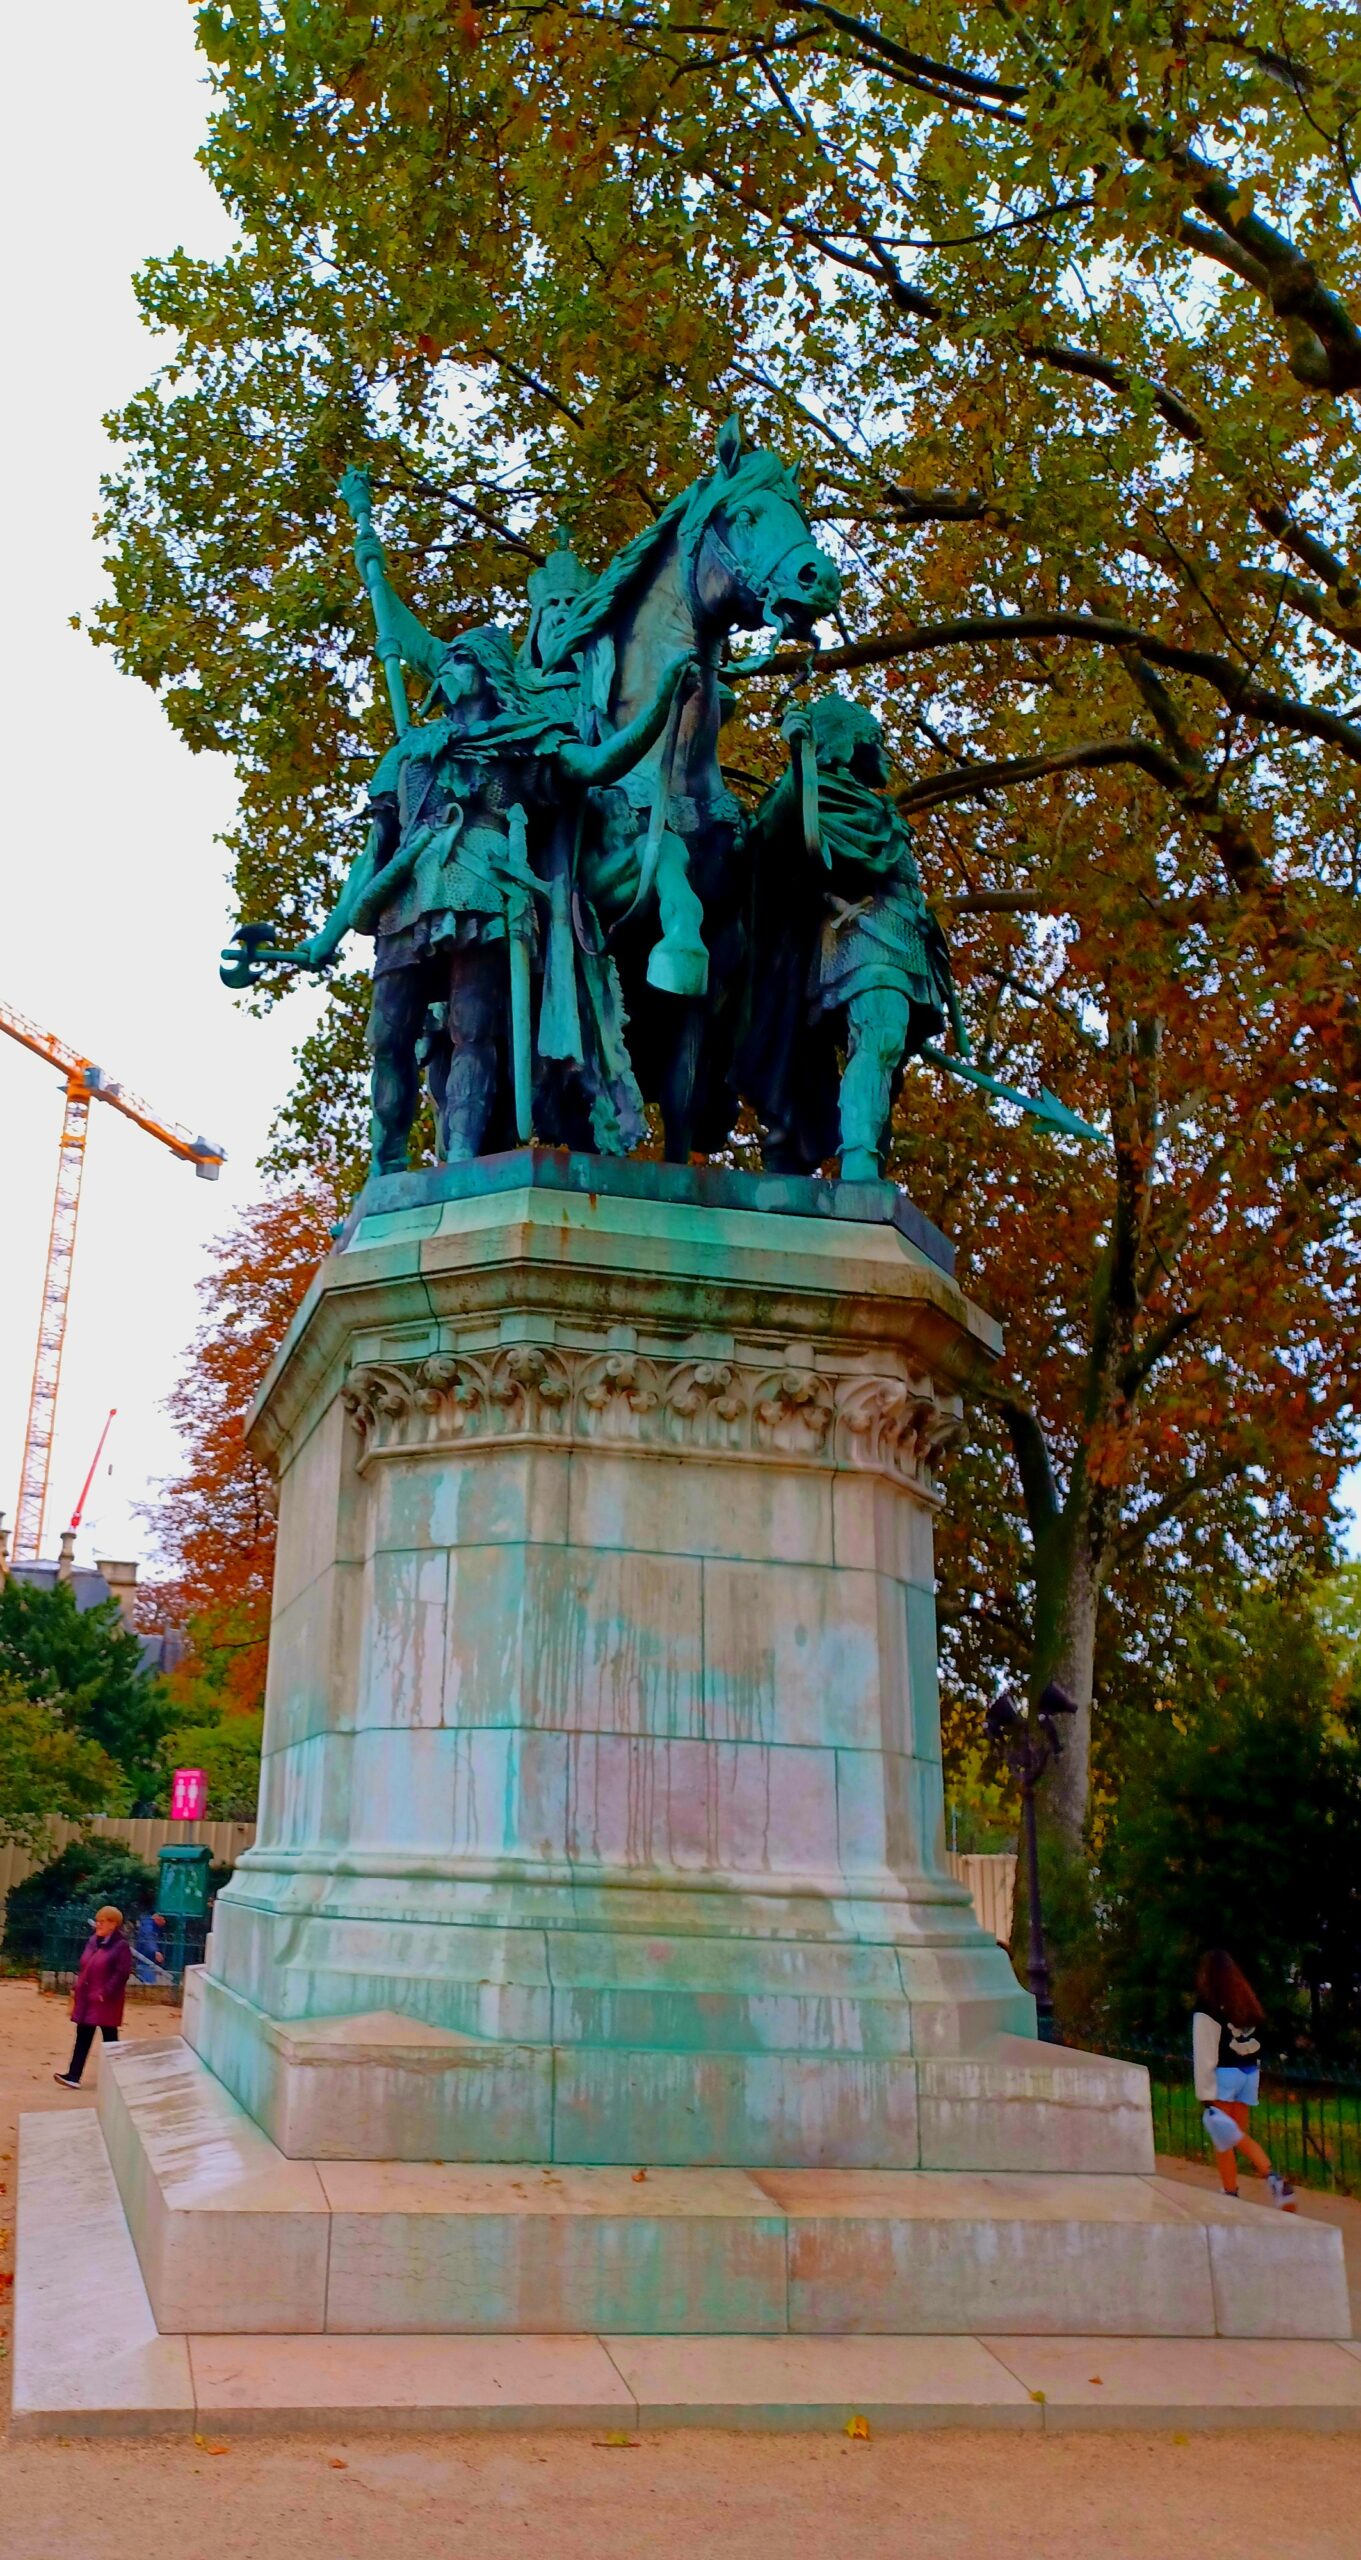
(85, 1669)
(1250, 1770)
(1062, 306)
(214, 1524)
(48, 1772)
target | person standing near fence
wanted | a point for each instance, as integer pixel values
(1226, 2053)
(150, 1943)
(101, 1988)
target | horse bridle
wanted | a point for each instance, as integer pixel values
(708, 530)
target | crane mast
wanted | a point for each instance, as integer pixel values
(42, 1393)
(84, 1083)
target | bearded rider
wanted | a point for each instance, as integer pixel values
(445, 886)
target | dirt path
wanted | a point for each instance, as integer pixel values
(949, 2496)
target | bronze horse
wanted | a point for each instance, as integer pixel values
(734, 551)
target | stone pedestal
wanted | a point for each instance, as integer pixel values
(595, 1985)
(601, 1815)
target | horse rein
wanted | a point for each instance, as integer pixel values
(739, 667)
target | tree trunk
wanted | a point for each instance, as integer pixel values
(1067, 1591)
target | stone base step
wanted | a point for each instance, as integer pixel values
(382, 2086)
(77, 2279)
(232, 2237)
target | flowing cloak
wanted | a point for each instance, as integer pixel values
(451, 789)
(821, 936)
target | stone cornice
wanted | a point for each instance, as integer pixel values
(850, 1297)
(631, 1400)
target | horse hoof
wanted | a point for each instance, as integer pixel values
(859, 1164)
(678, 971)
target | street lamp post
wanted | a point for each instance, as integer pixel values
(1028, 1755)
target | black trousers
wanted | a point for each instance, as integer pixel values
(85, 2037)
(448, 1010)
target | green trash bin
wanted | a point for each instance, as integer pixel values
(182, 1893)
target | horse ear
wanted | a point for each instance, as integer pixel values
(729, 446)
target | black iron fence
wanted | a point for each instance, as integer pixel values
(66, 1931)
(1307, 2117)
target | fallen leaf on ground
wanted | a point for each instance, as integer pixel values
(638, 2176)
(617, 2443)
(337, 2464)
(859, 2428)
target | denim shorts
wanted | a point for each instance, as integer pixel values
(1237, 2087)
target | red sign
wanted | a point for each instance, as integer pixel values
(188, 1795)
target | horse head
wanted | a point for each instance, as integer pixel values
(750, 556)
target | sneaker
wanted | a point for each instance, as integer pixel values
(64, 2080)
(1281, 2192)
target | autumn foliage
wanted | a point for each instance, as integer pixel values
(1062, 307)
(215, 1523)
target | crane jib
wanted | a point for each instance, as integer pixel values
(84, 1083)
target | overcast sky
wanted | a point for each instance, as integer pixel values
(115, 901)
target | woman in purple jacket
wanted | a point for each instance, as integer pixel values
(101, 1985)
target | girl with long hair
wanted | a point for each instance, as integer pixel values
(1226, 2050)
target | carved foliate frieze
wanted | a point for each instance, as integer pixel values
(629, 1399)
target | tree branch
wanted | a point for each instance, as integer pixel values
(999, 902)
(1238, 690)
(1115, 377)
(977, 779)
(971, 84)
(1031, 1452)
(1145, 1524)
(1140, 1367)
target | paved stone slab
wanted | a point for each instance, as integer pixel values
(821, 2382)
(1016, 2104)
(743, 2108)
(949, 2195)
(1275, 2274)
(378, 2085)
(230, 2235)
(494, 2248)
(1186, 2382)
(879, 2251)
(261, 2384)
(87, 2356)
(870, 2251)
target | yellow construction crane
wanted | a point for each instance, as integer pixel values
(85, 1082)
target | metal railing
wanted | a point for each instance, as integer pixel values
(66, 1932)
(1307, 2118)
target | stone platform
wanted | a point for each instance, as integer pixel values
(78, 2280)
(231, 2236)
(595, 2027)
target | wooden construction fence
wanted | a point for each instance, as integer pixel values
(225, 1842)
(991, 1880)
